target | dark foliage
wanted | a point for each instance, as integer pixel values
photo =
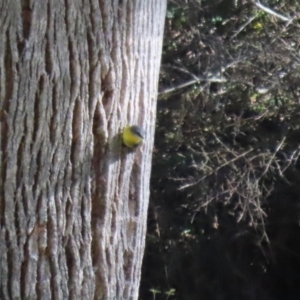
(225, 194)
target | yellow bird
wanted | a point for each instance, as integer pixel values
(133, 136)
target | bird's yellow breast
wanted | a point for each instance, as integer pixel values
(131, 138)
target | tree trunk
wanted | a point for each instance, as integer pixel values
(73, 201)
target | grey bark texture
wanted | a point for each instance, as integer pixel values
(74, 202)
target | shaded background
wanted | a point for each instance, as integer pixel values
(225, 194)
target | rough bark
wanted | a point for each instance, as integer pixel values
(73, 201)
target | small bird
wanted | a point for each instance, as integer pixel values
(133, 136)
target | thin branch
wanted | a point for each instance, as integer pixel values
(198, 79)
(273, 156)
(183, 85)
(243, 26)
(271, 12)
(215, 170)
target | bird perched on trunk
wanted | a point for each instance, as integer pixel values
(133, 136)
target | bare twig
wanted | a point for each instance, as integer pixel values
(272, 158)
(243, 26)
(186, 84)
(215, 170)
(271, 12)
(198, 79)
